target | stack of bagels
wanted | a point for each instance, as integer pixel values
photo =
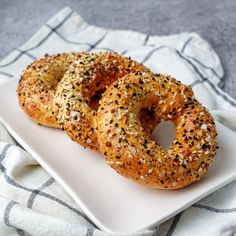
(111, 104)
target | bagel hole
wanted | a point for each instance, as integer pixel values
(95, 98)
(164, 134)
(147, 119)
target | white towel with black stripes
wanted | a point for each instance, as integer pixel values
(31, 201)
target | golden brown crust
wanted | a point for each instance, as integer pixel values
(79, 92)
(37, 85)
(133, 154)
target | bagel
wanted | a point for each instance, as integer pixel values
(133, 153)
(37, 85)
(78, 94)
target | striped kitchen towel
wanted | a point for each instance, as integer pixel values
(32, 203)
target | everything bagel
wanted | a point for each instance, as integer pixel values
(37, 85)
(78, 94)
(131, 151)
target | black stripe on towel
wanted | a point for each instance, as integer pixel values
(195, 70)
(4, 152)
(174, 224)
(34, 194)
(27, 53)
(12, 182)
(89, 232)
(206, 67)
(77, 43)
(197, 61)
(213, 209)
(186, 44)
(97, 42)
(7, 215)
(209, 82)
(146, 40)
(6, 74)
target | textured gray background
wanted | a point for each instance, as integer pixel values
(215, 20)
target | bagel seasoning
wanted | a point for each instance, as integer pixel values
(78, 94)
(133, 154)
(37, 85)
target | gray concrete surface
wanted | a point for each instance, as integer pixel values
(215, 20)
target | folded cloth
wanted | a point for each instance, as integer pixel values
(31, 201)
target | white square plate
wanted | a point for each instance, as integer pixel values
(112, 202)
